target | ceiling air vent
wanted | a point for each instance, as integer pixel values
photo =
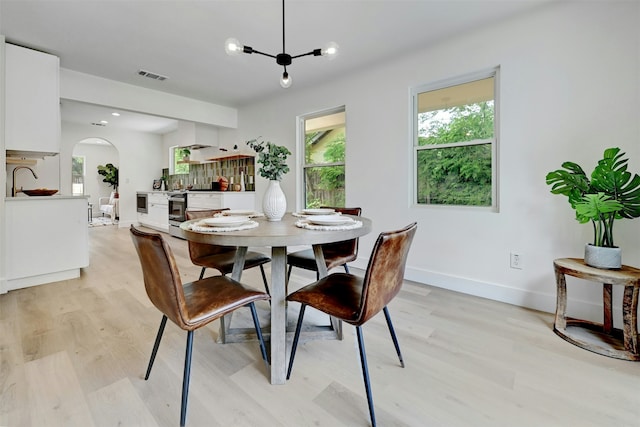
(154, 76)
(98, 124)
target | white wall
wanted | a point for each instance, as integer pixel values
(3, 171)
(140, 161)
(569, 89)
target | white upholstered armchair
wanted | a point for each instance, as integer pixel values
(109, 206)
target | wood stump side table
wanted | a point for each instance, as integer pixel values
(601, 338)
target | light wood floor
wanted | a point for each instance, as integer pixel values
(74, 353)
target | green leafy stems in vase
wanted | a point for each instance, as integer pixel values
(272, 157)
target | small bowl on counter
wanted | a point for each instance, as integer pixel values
(40, 192)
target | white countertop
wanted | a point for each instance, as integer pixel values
(41, 198)
(192, 192)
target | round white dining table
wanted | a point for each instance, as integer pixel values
(277, 235)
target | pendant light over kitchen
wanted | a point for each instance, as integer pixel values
(233, 47)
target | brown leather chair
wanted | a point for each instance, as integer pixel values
(221, 257)
(355, 300)
(189, 305)
(335, 254)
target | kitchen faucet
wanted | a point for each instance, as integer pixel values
(14, 190)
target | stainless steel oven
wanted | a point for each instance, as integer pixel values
(142, 205)
(177, 212)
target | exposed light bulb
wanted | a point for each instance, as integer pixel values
(285, 81)
(232, 46)
(330, 50)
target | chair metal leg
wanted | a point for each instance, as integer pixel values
(365, 374)
(393, 335)
(346, 268)
(294, 346)
(185, 378)
(163, 323)
(202, 272)
(256, 323)
(289, 272)
(264, 279)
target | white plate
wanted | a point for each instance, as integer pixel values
(240, 212)
(330, 220)
(225, 221)
(321, 211)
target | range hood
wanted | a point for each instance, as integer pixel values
(195, 146)
(196, 136)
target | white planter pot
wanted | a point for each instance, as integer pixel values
(602, 257)
(274, 203)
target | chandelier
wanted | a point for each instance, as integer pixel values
(233, 47)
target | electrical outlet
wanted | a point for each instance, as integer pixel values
(516, 261)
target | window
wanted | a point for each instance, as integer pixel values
(455, 141)
(77, 175)
(176, 159)
(323, 166)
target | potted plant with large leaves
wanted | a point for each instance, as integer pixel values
(611, 193)
(110, 174)
(273, 159)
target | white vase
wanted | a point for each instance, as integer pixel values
(274, 204)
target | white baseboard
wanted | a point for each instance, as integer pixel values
(41, 279)
(520, 297)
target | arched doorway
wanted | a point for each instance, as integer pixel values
(87, 155)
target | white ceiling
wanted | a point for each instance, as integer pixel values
(81, 113)
(184, 39)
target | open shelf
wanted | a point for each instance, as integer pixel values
(230, 157)
(20, 161)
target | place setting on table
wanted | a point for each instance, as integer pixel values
(227, 220)
(325, 219)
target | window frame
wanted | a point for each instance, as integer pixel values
(173, 161)
(84, 174)
(301, 151)
(415, 148)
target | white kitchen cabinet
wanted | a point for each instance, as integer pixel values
(219, 200)
(157, 215)
(32, 94)
(47, 239)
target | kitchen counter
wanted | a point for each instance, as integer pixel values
(47, 240)
(192, 192)
(25, 198)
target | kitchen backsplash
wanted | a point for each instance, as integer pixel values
(202, 175)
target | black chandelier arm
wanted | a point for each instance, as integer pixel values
(250, 50)
(314, 52)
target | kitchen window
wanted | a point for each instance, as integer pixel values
(175, 153)
(323, 142)
(455, 141)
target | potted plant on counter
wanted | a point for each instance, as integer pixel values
(609, 194)
(185, 154)
(273, 161)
